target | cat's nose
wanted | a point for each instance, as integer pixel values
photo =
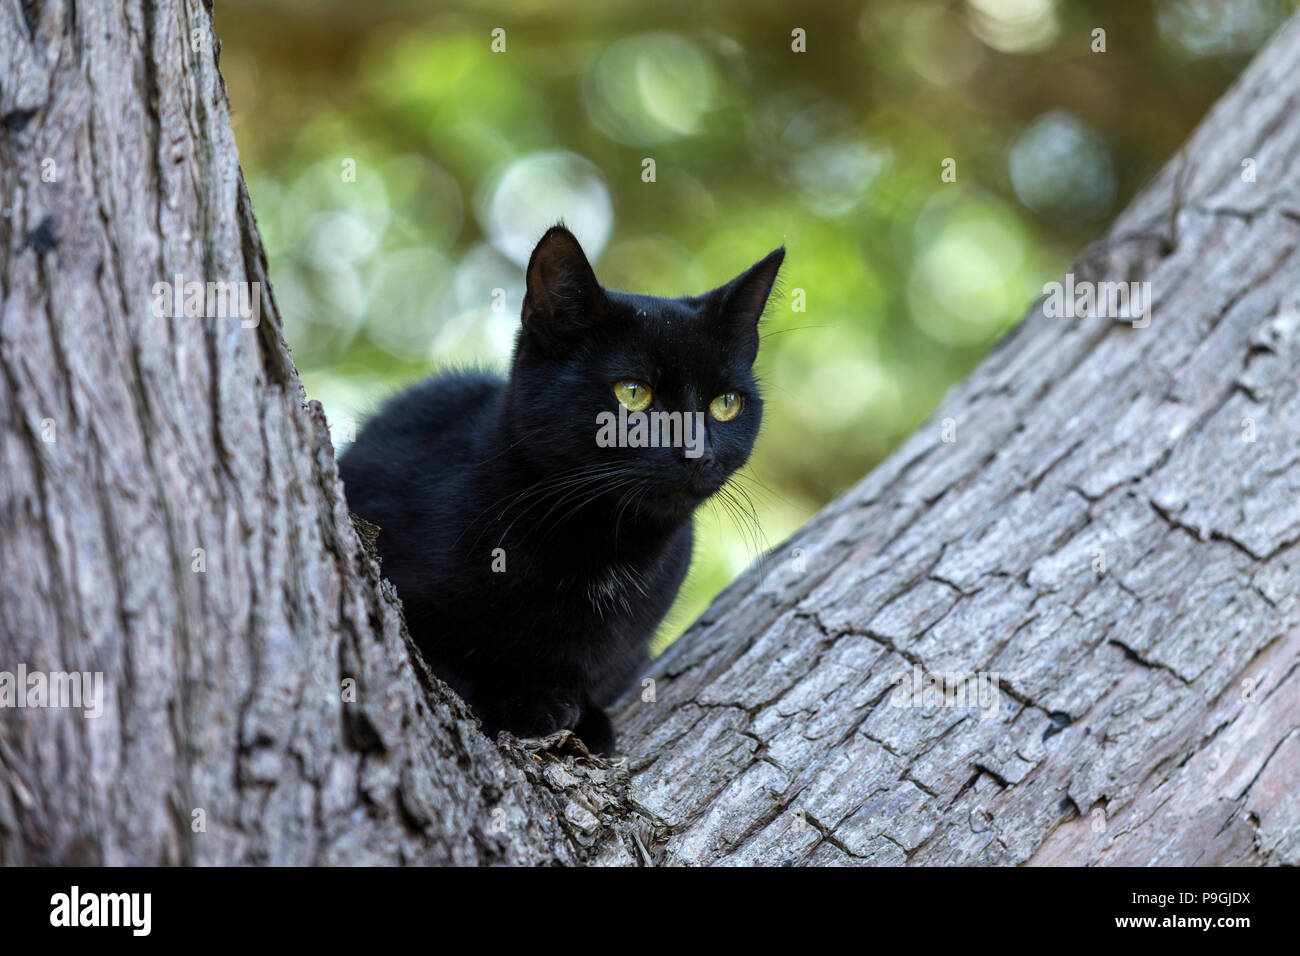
(701, 458)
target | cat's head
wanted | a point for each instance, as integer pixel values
(586, 358)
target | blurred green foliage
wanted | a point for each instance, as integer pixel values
(463, 155)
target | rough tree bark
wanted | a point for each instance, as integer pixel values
(1149, 712)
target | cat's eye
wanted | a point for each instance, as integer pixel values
(725, 407)
(634, 396)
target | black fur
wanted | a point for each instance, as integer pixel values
(595, 541)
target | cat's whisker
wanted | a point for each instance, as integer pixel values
(543, 488)
(753, 481)
(763, 543)
(622, 483)
(551, 482)
(508, 499)
(633, 498)
(746, 520)
(797, 328)
(552, 487)
(738, 518)
(569, 489)
(581, 489)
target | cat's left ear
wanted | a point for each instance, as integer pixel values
(741, 301)
(562, 293)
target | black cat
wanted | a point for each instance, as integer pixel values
(534, 559)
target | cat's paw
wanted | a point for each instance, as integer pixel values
(596, 731)
(540, 715)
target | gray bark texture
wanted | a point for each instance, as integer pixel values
(1112, 533)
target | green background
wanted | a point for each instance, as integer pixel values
(463, 155)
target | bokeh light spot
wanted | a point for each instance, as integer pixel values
(535, 192)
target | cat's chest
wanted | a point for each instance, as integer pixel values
(570, 588)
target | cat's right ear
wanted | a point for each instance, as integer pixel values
(562, 293)
(742, 301)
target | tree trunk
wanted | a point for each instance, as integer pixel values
(1110, 534)
(129, 441)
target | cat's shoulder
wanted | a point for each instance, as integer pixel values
(461, 387)
(447, 397)
(439, 416)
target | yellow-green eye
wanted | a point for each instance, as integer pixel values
(634, 396)
(725, 407)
